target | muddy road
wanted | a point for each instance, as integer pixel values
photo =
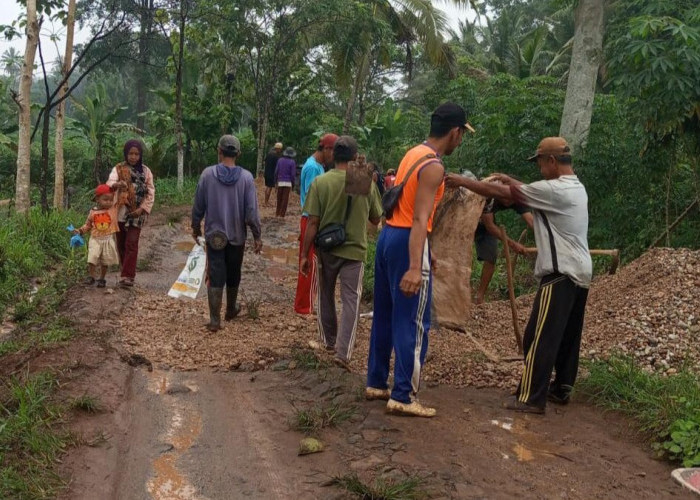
(189, 415)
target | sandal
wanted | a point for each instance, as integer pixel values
(126, 282)
(101, 283)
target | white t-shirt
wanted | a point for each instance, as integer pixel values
(560, 210)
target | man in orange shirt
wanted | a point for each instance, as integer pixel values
(402, 268)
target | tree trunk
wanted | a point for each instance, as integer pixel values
(357, 84)
(583, 73)
(141, 74)
(25, 119)
(262, 137)
(178, 99)
(44, 179)
(97, 165)
(59, 165)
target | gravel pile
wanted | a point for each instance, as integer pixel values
(649, 310)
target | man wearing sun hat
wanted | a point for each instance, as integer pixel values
(553, 333)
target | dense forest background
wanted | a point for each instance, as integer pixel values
(179, 73)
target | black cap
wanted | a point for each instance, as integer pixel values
(450, 115)
(345, 147)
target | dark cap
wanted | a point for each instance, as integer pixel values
(229, 144)
(554, 146)
(451, 115)
(289, 152)
(345, 147)
(328, 140)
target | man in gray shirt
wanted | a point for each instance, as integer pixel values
(227, 200)
(553, 334)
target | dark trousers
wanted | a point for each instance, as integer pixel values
(282, 200)
(224, 266)
(552, 339)
(128, 248)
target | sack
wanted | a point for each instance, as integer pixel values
(391, 197)
(192, 276)
(332, 235)
(358, 177)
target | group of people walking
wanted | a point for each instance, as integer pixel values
(333, 246)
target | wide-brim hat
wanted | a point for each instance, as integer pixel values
(289, 152)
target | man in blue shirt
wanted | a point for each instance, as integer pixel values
(314, 166)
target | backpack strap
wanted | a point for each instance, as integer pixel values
(416, 164)
(347, 210)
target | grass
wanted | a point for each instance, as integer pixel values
(319, 417)
(31, 440)
(381, 489)
(88, 404)
(144, 265)
(253, 306)
(666, 408)
(306, 359)
(167, 193)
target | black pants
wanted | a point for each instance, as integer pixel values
(552, 339)
(224, 266)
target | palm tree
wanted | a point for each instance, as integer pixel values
(402, 23)
(11, 62)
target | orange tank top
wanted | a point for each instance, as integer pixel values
(402, 215)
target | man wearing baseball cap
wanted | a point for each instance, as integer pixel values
(402, 268)
(564, 267)
(227, 201)
(315, 165)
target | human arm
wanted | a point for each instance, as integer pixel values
(375, 205)
(529, 219)
(309, 237)
(85, 227)
(252, 218)
(150, 198)
(486, 189)
(113, 180)
(428, 183)
(199, 208)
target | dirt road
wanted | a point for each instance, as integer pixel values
(190, 415)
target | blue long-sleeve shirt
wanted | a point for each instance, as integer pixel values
(226, 198)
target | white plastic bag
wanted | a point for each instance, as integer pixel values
(192, 276)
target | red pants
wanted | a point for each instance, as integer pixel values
(306, 285)
(282, 200)
(128, 248)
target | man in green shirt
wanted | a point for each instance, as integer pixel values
(326, 203)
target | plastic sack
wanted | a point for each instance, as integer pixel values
(192, 276)
(76, 240)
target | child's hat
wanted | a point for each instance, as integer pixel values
(102, 189)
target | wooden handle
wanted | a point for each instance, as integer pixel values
(614, 253)
(511, 291)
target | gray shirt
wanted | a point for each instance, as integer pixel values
(560, 212)
(227, 199)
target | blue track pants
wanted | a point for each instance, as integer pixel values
(400, 323)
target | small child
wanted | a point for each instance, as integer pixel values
(102, 222)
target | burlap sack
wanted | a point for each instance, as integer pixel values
(358, 178)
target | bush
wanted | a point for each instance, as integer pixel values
(666, 408)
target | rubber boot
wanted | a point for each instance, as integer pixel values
(232, 308)
(215, 296)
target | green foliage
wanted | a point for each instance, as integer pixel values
(655, 58)
(381, 489)
(31, 440)
(306, 359)
(368, 276)
(167, 193)
(31, 247)
(666, 408)
(321, 416)
(86, 403)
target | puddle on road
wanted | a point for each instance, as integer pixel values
(289, 256)
(184, 246)
(522, 453)
(529, 445)
(168, 481)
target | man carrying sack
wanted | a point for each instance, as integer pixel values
(553, 334)
(338, 226)
(226, 199)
